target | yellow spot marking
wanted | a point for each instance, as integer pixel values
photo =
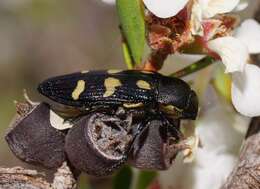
(147, 72)
(111, 84)
(113, 71)
(143, 85)
(136, 105)
(84, 71)
(78, 90)
(172, 110)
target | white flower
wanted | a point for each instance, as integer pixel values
(161, 8)
(243, 4)
(234, 53)
(205, 9)
(249, 34)
(211, 8)
(246, 91)
(212, 169)
(196, 19)
(165, 8)
(246, 85)
(217, 157)
(169, 8)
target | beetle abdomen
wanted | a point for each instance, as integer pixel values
(101, 88)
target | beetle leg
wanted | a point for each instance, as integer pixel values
(173, 127)
(72, 120)
(182, 145)
(140, 128)
(120, 112)
(129, 149)
(110, 119)
(129, 123)
(175, 148)
(175, 131)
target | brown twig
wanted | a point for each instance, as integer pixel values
(155, 61)
(246, 175)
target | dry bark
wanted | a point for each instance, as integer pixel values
(17, 178)
(246, 175)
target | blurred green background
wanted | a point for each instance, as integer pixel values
(44, 38)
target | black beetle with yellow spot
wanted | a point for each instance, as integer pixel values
(87, 90)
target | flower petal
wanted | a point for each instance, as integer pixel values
(196, 20)
(210, 28)
(234, 54)
(243, 4)
(213, 7)
(216, 129)
(249, 34)
(165, 8)
(246, 91)
(58, 122)
(207, 172)
(109, 1)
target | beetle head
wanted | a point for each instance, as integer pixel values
(176, 98)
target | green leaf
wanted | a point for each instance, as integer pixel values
(123, 178)
(131, 17)
(127, 56)
(145, 178)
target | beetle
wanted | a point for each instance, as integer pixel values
(138, 96)
(88, 90)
